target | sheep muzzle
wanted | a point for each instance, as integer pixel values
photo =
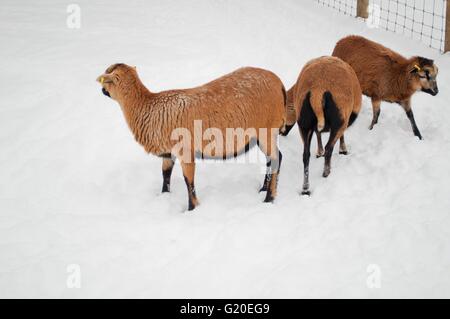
(106, 92)
(433, 92)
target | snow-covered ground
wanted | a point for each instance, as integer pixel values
(78, 193)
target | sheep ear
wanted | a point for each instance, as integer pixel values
(416, 68)
(105, 78)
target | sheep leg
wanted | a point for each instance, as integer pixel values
(167, 167)
(268, 176)
(413, 124)
(274, 172)
(270, 148)
(320, 150)
(376, 112)
(342, 146)
(409, 113)
(334, 136)
(188, 172)
(306, 136)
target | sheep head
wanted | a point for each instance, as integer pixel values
(117, 80)
(424, 73)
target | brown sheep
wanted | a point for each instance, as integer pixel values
(326, 97)
(385, 75)
(249, 99)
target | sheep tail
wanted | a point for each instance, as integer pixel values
(318, 102)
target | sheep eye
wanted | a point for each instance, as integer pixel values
(427, 75)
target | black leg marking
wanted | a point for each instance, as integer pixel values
(191, 193)
(274, 168)
(376, 109)
(342, 146)
(334, 121)
(376, 115)
(168, 164)
(269, 197)
(307, 124)
(167, 173)
(268, 177)
(416, 131)
(307, 136)
(328, 152)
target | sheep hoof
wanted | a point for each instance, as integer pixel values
(326, 173)
(192, 204)
(269, 198)
(343, 152)
(306, 192)
(319, 155)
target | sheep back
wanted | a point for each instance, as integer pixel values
(328, 74)
(378, 68)
(248, 98)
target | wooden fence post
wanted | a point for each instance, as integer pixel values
(362, 8)
(447, 27)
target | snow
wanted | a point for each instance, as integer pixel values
(76, 189)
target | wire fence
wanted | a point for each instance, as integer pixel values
(419, 19)
(347, 7)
